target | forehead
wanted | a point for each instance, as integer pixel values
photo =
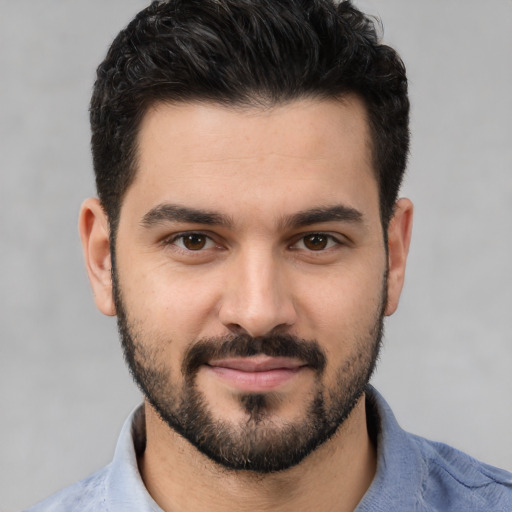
(303, 128)
(206, 155)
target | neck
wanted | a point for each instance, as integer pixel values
(334, 477)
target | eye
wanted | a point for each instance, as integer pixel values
(316, 242)
(193, 241)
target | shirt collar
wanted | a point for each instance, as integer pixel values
(400, 468)
(400, 465)
(125, 489)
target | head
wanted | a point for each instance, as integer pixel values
(248, 157)
(241, 53)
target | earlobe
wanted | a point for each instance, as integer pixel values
(94, 233)
(399, 238)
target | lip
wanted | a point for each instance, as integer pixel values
(258, 373)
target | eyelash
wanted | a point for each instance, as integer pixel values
(182, 236)
(332, 241)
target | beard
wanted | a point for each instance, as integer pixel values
(259, 443)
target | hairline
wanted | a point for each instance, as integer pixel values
(257, 103)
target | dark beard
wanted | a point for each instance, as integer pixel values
(257, 444)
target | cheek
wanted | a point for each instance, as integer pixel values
(173, 305)
(343, 310)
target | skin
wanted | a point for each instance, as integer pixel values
(256, 276)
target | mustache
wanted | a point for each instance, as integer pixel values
(243, 345)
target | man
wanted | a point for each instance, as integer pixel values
(249, 237)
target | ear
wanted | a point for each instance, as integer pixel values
(94, 233)
(399, 238)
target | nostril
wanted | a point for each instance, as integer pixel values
(237, 329)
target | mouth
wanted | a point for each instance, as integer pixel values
(256, 374)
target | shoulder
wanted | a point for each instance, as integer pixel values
(416, 474)
(87, 495)
(454, 480)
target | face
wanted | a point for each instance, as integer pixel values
(251, 275)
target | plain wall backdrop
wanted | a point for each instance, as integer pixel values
(447, 359)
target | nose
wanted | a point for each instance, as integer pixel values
(257, 298)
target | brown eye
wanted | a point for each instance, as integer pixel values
(194, 241)
(316, 242)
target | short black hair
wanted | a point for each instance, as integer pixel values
(246, 53)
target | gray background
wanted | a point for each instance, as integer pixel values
(64, 391)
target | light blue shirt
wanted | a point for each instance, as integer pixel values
(413, 475)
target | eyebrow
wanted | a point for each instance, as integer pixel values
(176, 213)
(323, 214)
